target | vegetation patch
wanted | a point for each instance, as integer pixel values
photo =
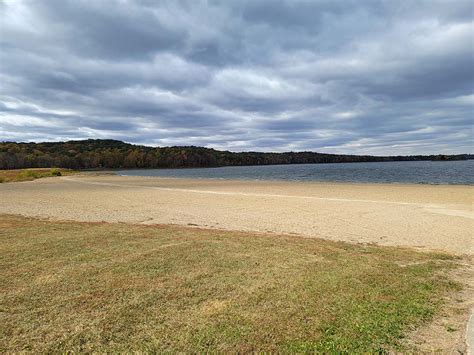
(18, 175)
(113, 154)
(82, 287)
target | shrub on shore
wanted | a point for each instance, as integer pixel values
(56, 172)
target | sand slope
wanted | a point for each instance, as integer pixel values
(424, 216)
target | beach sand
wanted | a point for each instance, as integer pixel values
(421, 216)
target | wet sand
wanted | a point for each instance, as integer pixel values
(422, 216)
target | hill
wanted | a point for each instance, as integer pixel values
(113, 154)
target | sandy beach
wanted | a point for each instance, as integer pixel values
(421, 216)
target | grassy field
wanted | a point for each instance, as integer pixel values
(70, 286)
(18, 175)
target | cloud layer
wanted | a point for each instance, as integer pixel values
(371, 77)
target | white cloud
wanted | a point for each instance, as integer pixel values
(335, 76)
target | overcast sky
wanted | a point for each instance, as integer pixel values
(374, 77)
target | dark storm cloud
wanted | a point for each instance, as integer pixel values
(375, 77)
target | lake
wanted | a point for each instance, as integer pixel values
(414, 172)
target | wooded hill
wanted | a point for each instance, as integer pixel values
(113, 154)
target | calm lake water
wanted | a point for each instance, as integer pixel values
(415, 172)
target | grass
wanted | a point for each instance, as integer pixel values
(81, 287)
(18, 175)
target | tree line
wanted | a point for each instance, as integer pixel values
(113, 154)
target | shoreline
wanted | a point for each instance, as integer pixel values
(428, 217)
(320, 182)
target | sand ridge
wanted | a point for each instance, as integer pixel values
(422, 216)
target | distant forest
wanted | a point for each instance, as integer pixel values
(113, 154)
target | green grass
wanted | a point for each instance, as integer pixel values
(18, 175)
(81, 287)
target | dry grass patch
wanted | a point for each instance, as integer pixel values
(18, 175)
(70, 286)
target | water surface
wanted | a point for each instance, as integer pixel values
(414, 172)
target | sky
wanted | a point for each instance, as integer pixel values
(353, 76)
